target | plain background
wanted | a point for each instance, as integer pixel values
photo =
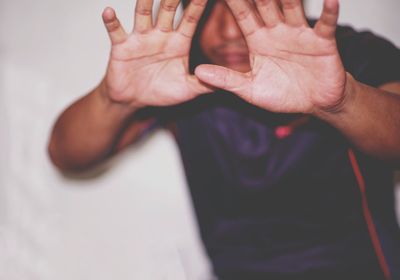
(134, 221)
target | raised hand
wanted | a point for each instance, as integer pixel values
(294, 68)
(149, 67)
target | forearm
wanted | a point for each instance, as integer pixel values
(86, 132)
(370, 119)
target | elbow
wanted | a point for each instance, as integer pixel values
(56, 158)
(72, 162)
(61, 161)
(52, 154)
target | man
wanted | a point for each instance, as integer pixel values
(288, 135)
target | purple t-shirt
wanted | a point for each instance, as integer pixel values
(276, 206)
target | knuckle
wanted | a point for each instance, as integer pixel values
(143, 31)
(199, 3)
(263, 2)
(186, 34)
(242, 14)
(143, 11)
(225, 79)
(329, 11)
(191, 18)
(164, 29)
(169, 7)
(113, 25)
(290, 4)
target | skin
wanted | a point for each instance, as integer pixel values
(144, 62)
(264, 52)
(222, 41)
(145, 68)
(290, 67)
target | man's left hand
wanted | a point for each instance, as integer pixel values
(294, 68)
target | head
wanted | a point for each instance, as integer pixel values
(222, 41)
(219, 39)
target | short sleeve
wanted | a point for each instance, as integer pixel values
(371, 59)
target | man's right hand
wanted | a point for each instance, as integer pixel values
(149, 67)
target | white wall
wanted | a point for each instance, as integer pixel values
(128, 223)
(378, 16)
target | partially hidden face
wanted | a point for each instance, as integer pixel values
(222, 41)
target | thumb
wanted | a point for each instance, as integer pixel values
(224, 78)
(198, 87)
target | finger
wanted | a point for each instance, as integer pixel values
(198, 87)
(143, 16)
(224, 78)
(166, 15)
(294, 12)
(326, 25)
(115, 30)
(270, 12)
(245, 16)
(191, 17)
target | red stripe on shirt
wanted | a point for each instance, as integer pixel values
(368, 217)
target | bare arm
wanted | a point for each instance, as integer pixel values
(148, 67)
(370, 118)
(87, 132)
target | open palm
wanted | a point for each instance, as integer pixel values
(150, 65)
(294, 68)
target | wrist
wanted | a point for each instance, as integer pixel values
(103, 92)
(344, 104)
